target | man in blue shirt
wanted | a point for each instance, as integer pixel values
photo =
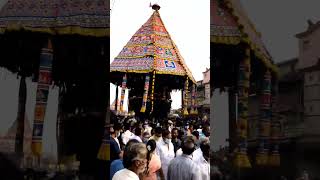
(115, 166)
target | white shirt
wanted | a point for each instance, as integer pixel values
(183, 168)
(148, 129)
(166, 154)
(126, 136)
(136, 137)
(197, 155)
(202, 163)
(125, 174)
(179, 152)
(204, 168)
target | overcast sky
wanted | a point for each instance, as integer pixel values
(187, 21)
(279, 21)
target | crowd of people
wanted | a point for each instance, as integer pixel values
(170, 150)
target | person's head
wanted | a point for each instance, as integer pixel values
(166, 134)
(146, 137)
(117, 129)
(206, 130)
(205, 148)
(191, 127)
(127, 127)
(170, 123)
(136, 157)
(111, 130)
(174, 133)
(158, 131)
(188, 145)
(138, 131)
(129, 143)
(145, 125)
(196, 134)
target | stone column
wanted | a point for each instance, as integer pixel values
(264, 121)
(241, 158)
(274, 157)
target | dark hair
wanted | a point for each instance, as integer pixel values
(137, 131)
(165, 132)
(117, 127)
(158, 130)
(196, 134)
(205, 148)
(127, 126)
(151, 146)
(152, 131)
(175, 129)
(205, 130)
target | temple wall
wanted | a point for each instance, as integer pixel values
(309, 49)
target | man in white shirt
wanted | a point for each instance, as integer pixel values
(204, 160)
(127, 135)
(157, 134)
(165, 150)
(134, 162)
(137, 134)
(198, 154)
(146, 127)
(183, 167)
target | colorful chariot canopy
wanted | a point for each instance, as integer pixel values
(57, 17)
(151, 49)
(231, 25)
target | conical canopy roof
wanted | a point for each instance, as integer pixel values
(83, 17)
(151, 48)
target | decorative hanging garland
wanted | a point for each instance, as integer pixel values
(195, 102)
(193, 99)
(241, 159)
(145, 94)
(264, 123)
(123, 91)
(274, 157)
(44, 82)
(152, 90)
(185, 101)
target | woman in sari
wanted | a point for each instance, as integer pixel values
(153, 169)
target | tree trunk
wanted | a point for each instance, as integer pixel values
(20, 119)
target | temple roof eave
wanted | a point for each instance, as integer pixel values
(243, 31)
